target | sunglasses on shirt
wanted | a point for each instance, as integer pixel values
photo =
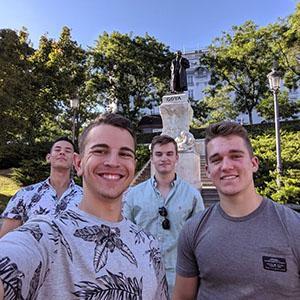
(164, 213)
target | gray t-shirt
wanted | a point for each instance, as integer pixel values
(79, 256)
(253, 257)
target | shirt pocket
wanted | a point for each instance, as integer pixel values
(279, 268)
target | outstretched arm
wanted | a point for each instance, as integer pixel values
(9, 225)
(1, 290)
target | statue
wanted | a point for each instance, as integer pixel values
(178, 73)
(185, 141)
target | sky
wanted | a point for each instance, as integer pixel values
(181, 25)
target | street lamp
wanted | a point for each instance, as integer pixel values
(274, 81)
(74, 103)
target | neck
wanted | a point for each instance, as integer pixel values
(240, 206)
(60, 179)
(164, 183)
(108, 210)
(164, 180)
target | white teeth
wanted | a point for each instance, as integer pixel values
(229, 177)
(111, 176)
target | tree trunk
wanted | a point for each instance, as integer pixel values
(250, 117)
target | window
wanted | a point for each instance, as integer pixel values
(190, 80)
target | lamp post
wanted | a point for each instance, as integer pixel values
(74, 103)
(274, 81)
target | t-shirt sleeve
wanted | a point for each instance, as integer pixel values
(25, 255)
(199, 205)
(186, 260)
(15, 207)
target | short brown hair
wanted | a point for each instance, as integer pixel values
(226, 128)
(163, 140)
(112, 119)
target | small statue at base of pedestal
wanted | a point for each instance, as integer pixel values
(185, 141)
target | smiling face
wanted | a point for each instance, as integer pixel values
(164, 158)
(107, 163)
(61, 155)
(230, 166)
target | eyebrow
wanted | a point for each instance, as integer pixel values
(60, 147)
(107, 147)
(233, 151)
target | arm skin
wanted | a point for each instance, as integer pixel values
(9, 225)
(186, 288)
(1, 290)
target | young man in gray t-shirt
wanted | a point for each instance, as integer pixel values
(246, 246)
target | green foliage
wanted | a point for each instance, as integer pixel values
(142, 156)
(129, 72)
(287, 109)
(31, 171)
(32, 167)
(201, 112)
(220, 106)
(241, 59)
(287, 46)
(265, 179)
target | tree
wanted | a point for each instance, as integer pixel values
(265, 179)
(129, 72)
(287, 45)
(16, 91)
(287, 108)
(62, 69)
(240, 61)
(220, 106)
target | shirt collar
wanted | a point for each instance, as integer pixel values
(173, 183)
(71, 184)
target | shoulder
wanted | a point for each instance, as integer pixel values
(195, 222)
(137, 189)
(187, 186)
(286, 213)
(29, 190)
(78, 189)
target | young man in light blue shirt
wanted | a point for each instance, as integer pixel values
(162, 204)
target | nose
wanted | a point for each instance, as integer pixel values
(112, 160)
(226, 164)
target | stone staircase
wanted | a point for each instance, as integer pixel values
(208, 191)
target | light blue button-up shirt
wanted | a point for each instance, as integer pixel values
(141, 206)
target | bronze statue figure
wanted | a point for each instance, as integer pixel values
(178, 73)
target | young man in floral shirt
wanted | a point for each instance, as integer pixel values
(91, 251)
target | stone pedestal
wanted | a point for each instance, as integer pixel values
(177, 113)
(188, 168)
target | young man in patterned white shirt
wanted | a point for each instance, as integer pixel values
(50, 196)
(90, 251)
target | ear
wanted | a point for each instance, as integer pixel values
(207, 171)
(48, 156)
(77, 162)
(255, 164)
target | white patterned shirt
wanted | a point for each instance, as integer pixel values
(79, 256)
(41, 199)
